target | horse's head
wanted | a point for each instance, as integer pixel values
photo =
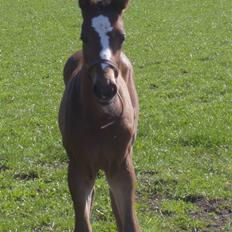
(102, 36)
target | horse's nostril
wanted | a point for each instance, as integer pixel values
(97, 91)
(113, 89)
(105, 92)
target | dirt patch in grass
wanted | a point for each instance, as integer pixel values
(216, 213)
(149, 191)
(154, 187)
(3, 167)
(31, 175)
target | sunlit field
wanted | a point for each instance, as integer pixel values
(182, 56)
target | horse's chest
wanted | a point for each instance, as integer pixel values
(103, 143)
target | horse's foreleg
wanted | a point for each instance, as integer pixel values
(81, 188)
(116, 212)
(122, 185)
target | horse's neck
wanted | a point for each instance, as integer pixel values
(89, 107)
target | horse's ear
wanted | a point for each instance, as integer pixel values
(120, 4)
(83, 4)
(117, 4)
(86, 3)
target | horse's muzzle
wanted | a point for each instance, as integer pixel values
(105, 92)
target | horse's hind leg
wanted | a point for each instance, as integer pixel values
(122, 185)
(81, 188)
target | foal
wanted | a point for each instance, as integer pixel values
(99, 114)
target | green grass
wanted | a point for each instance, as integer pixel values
(181, 51)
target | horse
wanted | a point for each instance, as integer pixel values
(98, 115)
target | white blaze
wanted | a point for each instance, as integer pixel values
(102, 26)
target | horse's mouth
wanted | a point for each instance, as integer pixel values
(105, 101)
(105, 93)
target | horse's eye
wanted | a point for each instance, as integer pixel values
(122, 37)
(84, 33)
(83, 38)
(118, 35)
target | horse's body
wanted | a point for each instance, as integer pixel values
(103, 133)
(98, 128)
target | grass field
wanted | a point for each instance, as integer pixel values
(182, 55)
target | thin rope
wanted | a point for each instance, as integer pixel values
(113, 122)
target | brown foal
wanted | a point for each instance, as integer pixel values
(99, 114)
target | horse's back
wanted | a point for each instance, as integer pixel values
(72, 66)
(71, 77)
